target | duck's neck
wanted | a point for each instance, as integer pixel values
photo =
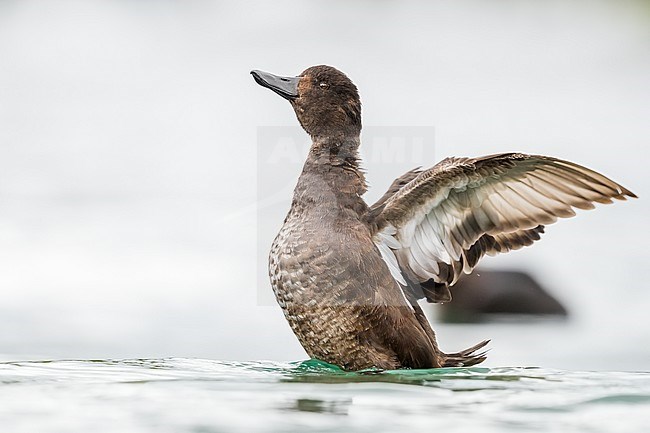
(337, 151)
(332, 172)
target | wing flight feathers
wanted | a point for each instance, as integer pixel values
(444, 219)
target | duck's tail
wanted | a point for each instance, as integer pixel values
(467, 357)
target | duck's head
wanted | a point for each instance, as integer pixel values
(326, 102)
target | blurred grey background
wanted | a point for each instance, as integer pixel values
(128, 162)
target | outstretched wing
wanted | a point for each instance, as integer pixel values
(443, 220)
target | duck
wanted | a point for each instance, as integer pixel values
(349, 275)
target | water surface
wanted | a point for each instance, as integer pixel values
(195, 395)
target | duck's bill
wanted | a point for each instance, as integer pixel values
(287, 87)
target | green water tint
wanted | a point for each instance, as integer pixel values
(308, 371)
(320, 371)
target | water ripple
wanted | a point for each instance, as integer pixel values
(198, 395)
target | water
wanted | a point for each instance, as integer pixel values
(196, 395)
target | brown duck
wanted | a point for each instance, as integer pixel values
(348, 276)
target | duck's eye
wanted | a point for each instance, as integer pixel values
(324, 85)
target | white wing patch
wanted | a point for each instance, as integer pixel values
(386, 243)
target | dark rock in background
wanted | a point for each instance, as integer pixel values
(486, 293)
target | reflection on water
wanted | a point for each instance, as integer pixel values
(188, 395)
(338, 407)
